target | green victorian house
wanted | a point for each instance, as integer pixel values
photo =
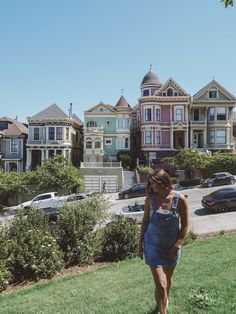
(106, 132)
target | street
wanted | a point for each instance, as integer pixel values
(200, 221)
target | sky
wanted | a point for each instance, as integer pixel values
(86, 51)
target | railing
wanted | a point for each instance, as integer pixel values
(198, 122)
(93, 128)
(106, 164)
(40, 142)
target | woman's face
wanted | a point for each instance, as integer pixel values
(154, 185)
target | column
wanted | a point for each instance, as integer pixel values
(171, 138)
(28, 159)
(191, 138)
(186, 138)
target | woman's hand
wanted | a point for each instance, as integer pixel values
(173, 252)
(140, 251)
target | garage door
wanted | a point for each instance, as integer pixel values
(95, 183)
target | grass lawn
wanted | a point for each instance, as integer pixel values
(204, 282)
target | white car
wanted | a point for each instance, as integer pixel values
(45, 200)
(71, 199)
(134, 212)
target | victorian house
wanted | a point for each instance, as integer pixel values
(162, 115)
(13, 135)
(211, 118)
(51, 132)
(106, 132)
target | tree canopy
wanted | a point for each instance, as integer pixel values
(228, 2)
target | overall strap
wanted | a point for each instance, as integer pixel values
(175, 201)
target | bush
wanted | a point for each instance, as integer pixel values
(189, 238)
(125, 158)
(32, 251)
(74, 230)
(189, 182)
(5, 277)
(144, 170)
(221, 162)
(119, 239)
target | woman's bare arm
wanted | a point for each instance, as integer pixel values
(184, 219)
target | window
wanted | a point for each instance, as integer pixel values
(212, 137)
(212, 94)
(14, 146)
(59, 133)
(51, 133)
(169, 92)
(221, 137)
(178, 114)
(108, 123)
(148, 137)
(221, 113)
(119, 142)
(148, 114)
(67, 134)
(164, 94)
(152, 155)
(36, 134)
(58, 151)
(3, 125)
(97, 144)
(89, 144)
(196, 114)
(146, 92)
(51, 153)
(126, 142)
(176, 93)
(108, 141)
(211, 114)
(158, 137)
(158, 114)
(120, 123)
(91, 124)
(77, 137)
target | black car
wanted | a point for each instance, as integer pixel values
(135, 191)
(220, 201)
(219, 178)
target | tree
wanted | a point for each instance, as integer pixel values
(55, 174)
(188, 160)
(125, 158)
(228, 2)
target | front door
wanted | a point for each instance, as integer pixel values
(197, 140)
(179, 139)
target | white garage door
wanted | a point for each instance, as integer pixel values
(96, 183)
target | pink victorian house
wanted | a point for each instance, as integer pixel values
(163, 117)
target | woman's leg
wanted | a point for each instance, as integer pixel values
(169, 274)
(161, 295)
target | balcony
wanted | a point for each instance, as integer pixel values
(47, 142)
(93, 129)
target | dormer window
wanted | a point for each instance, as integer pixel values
(101, 109)
(213, 94)
(175, 93)
(146, 92)
(169, 92)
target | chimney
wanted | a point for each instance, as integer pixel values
(70, 111)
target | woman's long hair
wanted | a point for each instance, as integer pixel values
(161, 177)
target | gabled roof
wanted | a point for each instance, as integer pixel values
(122, 103)
(77, 119)
(214, 85)
(52, 112)
(15, 128)
(171, 83)
(101, 105)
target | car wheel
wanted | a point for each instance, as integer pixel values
(223, 209)
(126, 196)
(232, 181)
(209, 184)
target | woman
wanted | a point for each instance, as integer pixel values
(165, 223)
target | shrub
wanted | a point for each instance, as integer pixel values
(190, 182)
(221, 162)
(119, 239)
(144, 170)
(189, 238)
(32, 251)
(5, 277)
(74, 230)
(125, 158)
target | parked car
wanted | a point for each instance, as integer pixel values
(219, 178)
(134, 212)
(44, 200)
(71, 199)
(220, 201)
(135, 191)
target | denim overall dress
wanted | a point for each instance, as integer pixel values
(161, 234)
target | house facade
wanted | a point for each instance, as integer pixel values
(163, 117)
(211, 118)
(106, 131)
(53, 132)
(13, 135)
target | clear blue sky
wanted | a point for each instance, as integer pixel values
(84, 52)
